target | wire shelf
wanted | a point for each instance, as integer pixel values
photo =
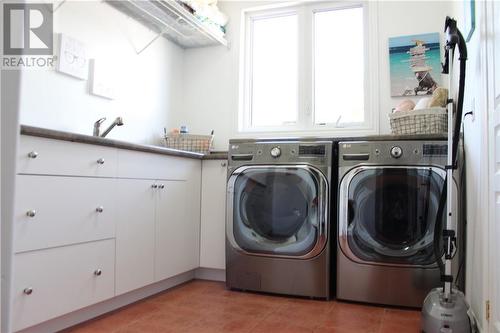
(170, 19)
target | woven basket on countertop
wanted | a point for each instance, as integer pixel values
(426, 121)
(190, 142)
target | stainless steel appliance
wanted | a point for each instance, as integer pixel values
(388, 199)
(277, 231)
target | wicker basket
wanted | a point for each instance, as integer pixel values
(190, 142)
(426, 121)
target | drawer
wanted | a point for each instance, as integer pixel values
(55, 157)
(54, 211)
(132, 164)
(62, 280)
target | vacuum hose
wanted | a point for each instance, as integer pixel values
(453, 38)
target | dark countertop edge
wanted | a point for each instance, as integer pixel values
(82, 138)
(384, 137)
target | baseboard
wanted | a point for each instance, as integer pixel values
(79, 316)
(211, 274)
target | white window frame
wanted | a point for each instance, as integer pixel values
(305, 124)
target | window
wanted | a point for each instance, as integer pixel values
(275, 70)
(305, 68)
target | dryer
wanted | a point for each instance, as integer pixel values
(389, 194)
(277, 222)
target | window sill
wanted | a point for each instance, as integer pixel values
(323, 132)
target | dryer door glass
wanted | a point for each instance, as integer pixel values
(279, 210)
(392, 214)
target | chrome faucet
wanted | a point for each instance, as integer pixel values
(97, 126)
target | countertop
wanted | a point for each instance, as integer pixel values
(82, 138)
(218, 155)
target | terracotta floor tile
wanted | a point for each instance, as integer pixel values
(402, 316)
(279, 327)
(348, 316)
(388, 327)
(208, 307)
(339, 330)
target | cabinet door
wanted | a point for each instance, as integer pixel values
(213, 214)
(49, 283)
(55, 157)
(135, 229)
(177, 227)
(53, 211)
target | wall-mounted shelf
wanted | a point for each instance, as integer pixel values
(171, 20)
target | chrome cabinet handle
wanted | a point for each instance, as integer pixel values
(98, 272)
(223, 164)
(28, 291)
(32, 154)
(100, 161)
(31, 213)
(99, 209)
(162, 186)
(154, 186)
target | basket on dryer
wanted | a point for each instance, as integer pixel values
(425, 121)
(190, 142)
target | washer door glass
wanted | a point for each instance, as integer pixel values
(392, 214)
(276, 210)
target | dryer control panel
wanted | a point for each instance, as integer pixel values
(393, 152)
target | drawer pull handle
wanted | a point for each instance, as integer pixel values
(98, 272)
(32, 154)
(223, 164)
(161, 186)
(100, 161)
(154, 186)
(31, 213)
(99, 209)
(28, 291)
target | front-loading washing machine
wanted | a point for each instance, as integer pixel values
(277, 222)
(389, 193)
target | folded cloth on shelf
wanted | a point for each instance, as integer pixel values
(208, 12)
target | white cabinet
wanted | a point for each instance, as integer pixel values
(177, 227)
(54, 157)
(135, 164)
(135, 234)
(158, 225)
(54, 211)
(94, 222)
(213, 214)
(49, 283)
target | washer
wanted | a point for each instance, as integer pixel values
(389, 194)
(277, 224)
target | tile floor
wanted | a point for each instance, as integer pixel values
(207, 307)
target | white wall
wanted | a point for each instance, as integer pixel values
(211, 74)
(149, 84)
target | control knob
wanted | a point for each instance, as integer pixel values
(276, 152)
(396, 152)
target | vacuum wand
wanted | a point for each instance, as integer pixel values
(445, 309)
(454, 38)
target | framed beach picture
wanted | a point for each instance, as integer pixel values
(415, 64)
(469, 22)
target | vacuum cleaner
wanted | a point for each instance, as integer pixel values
(445, 309)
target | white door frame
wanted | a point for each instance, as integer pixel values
(493, 108)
